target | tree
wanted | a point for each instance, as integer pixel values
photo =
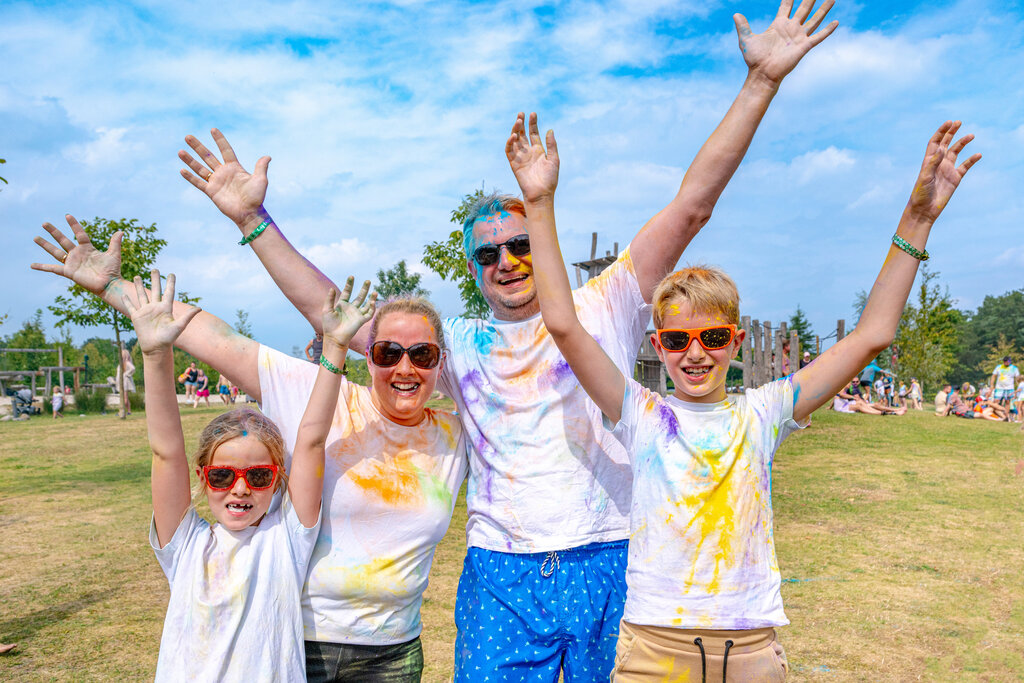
(242, 324)
(397, 282)
(448, 259)
(139, 248)
(996, 353)
(799, 323)
(928, 333)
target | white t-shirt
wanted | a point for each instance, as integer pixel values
(702, 550)
(234, 610)
(1005, 376)
(544, 474)
(389, 493)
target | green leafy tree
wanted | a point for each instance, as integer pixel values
(139, 249)
(31, 335)
(1001, 349)
(242, 324)
(356, 371)
(928, 334)
(997, 316)
(448, 259)
(398, 281)
(799, 323)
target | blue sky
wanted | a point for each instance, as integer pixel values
(381, 116)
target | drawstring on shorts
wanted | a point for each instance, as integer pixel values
(552, 557)
(704, 661)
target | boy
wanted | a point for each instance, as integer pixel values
(703, 580)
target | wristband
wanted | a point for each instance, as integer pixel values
(255, 233)
(910, 249)
(331, 366)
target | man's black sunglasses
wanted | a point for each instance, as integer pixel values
(487, 255)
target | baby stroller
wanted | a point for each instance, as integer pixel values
(21, 403)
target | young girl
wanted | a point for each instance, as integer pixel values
(234, 608)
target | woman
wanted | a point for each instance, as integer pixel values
(392, 474)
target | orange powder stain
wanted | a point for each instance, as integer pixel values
(396, 481)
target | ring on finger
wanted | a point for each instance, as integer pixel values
(62, 258)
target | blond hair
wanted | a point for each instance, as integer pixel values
(410, 304)
(235, 424)
(706, 289)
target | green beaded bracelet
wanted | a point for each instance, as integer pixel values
(910, 249)
(331, 366)
(254, 234)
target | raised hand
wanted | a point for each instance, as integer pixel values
(343, 318)
(535, 170)
(153, 315)
(81, 263)
(940, 176)
(236, 192)
(776, 52)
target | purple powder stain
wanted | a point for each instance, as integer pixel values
(669, 423)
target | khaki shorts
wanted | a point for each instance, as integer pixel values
(660, 653)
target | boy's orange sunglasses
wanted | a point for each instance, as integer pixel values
(711, 338)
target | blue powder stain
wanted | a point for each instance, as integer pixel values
(483, 339)
(245, 433)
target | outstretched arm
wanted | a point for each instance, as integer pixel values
(537, 174)
(239, 195)
(936, 182)
(341, 319)
(157, 327)
(769, 56)
(208, 338)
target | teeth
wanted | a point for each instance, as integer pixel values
(695, 371)
(405, 387)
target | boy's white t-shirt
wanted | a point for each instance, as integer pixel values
(234, 611)
(389, 494)
(544, 474)
(702, 550)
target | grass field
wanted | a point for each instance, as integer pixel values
(901, 542)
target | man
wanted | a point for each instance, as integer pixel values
(867, 379)
(543, 587)
(940, 400)
(1003, 381)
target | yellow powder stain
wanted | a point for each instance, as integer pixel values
(668, 665)
(395, 481)
(377, 576)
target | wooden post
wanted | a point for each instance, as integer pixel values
(794, 351)
(746, 348)
(782, 336)
(593, 246)
(840, 329)
(60, 362)
(755, 352)
(579, 278)
(817, 346)
(766, 350)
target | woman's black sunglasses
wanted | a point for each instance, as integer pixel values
(385, 354)
(487, 255)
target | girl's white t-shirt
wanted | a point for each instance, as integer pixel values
(702, 549)
(389, 494)
(234, 611)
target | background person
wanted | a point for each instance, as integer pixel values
(202, 389)
(942, 400)
(1002, 382)
(57, 402)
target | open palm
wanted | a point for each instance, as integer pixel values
(153, 315)
(783, 44)
(236, 192)
(343, 318)
(535, 170)
(82, 263)
(940, 175)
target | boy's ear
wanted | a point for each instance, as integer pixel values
(657, 347)
(471, 265)
(737, 341)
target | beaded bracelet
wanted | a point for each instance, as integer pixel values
(910, 249)
(331, 366)
(254, 234)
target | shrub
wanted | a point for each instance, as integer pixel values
(91, 402)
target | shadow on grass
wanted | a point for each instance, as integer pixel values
(54, 480)
(24, 627)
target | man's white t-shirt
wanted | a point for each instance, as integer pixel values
(702, 550)
(234, 611)
(389, 494)
(544, 474)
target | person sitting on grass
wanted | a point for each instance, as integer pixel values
(956, 406)
(702, 576)
(989, 410)
(234, 610)
(851, 400)
(942, 400)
